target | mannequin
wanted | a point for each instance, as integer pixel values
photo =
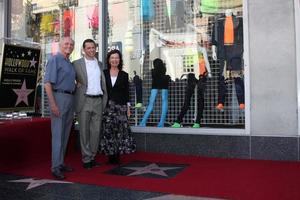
(204, 71)
(192, 82)
(138, 84)
(160, 81)
(227, 46)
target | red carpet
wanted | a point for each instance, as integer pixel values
(209, 177)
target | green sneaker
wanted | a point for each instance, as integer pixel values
(138, 105)
(196, 125)
(176, 125)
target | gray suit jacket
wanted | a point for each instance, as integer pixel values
(81, 79)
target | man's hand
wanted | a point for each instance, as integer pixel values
(52, 102)
(55, 110)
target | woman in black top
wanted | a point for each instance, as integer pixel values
(117, 138)
(160, 81)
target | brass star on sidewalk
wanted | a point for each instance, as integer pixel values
(36, 183)
(150, 169)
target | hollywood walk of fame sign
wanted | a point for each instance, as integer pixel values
(18, 77)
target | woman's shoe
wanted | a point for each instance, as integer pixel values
(117, 159)
(114, 159)
(110, 159)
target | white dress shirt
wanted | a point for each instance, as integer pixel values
(94, 77)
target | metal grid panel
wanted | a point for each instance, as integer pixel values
(202, 23)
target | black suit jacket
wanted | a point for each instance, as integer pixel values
(119, 93)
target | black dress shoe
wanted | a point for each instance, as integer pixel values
(87, 165)
(65, 168)
(94, 163)
(58, 174)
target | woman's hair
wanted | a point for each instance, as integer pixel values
(159, 67)
(115, 51)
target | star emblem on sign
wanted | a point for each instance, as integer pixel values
(36, 183)
(150, 169)
(22, 93)
(32, 63)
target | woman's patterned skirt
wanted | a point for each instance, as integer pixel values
(116, 136)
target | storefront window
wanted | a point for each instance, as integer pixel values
(201, 45)
(46, 21)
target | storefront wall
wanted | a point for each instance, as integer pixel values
(2, 18)
(273, 75)
(270, 82)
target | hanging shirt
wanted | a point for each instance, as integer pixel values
(147, 10)
(95, 18)
(93, 77)
(46, 25)
(68, 22)
(228, 31)
(203, 61)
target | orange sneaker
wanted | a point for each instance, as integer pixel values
(220, 106)
(242, 106)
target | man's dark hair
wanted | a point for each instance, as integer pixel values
(88, 41)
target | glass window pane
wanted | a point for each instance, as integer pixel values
(201, 45)
(46, 21)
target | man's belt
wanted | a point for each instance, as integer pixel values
(64, 91)
(94, 96)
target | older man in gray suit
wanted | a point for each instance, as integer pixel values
(90, 101)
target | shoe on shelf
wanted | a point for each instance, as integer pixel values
(57, 174)
(87, 165)
(176, 125)
(138, 105)
(65, 168)
(242, 106)
(220, 107)
(160, 125)
(94, 163)
(196, 125)
(142, 125)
